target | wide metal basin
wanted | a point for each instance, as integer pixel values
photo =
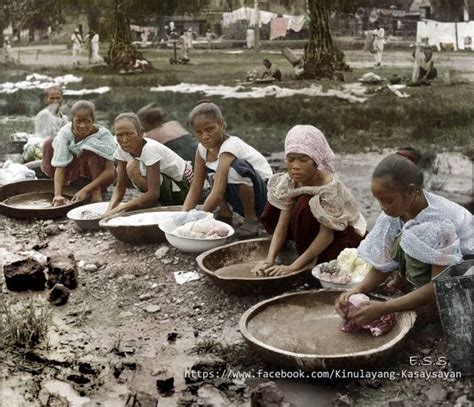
(13, 195)
(138, 234)
(302, 331)
(239, 280)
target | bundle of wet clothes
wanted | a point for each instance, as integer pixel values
(378, 327)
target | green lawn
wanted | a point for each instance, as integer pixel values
(436, 117)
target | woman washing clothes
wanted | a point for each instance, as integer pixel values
(417, 236)
(81, 150)
(157, 171)
(238, 172)
(171, 133)
(309, 205)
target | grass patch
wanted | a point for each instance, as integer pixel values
(439, 117)
(23, 325)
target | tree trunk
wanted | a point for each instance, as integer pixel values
(321, 58)
(122, 54)
(2, 26)
(93, 16)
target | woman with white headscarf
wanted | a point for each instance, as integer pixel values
(309, 205)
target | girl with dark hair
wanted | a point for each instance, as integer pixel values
(237, 171)
(416, 237)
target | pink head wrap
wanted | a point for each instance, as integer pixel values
(310, 141)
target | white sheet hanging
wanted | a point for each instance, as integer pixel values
(296, 23)
(465, 31)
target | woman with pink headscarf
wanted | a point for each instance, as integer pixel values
(309, 205)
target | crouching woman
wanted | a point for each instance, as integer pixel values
(82, 151)
(157, 171)
(309, 205)
(416, 237)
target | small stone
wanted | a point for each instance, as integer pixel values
(167, 261)
(145, 296)
(52, 229)
(396, 403)
(161, 252)
(165, 386)
(58, 295)
(152, 308)
(128, 277)
(266, 395)
(463, 402)
(91, 268)
(126, 314)
(436, 393)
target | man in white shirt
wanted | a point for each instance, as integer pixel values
(379, 41)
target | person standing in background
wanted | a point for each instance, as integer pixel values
(378, 44)
(76, 41)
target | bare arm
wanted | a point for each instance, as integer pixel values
(106, 176)
(408, 302)
(220, 182)
(152, 193)
(197, 184)
(323, 239)
(121, 186)
(59, 175)
(371, 281)
(320, 243)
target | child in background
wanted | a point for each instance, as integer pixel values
(81, 149)
(171, 133)
(50, 120)
(156, 170)
(309, 205)
(416, 237)
(238, 172)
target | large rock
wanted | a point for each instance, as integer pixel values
(62, 269)
(26, 274)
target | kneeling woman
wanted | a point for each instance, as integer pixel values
(156, 170)
(238, 172)
(417, 236)
(309, 205)
(82, 149)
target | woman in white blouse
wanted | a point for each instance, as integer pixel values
(417, 236)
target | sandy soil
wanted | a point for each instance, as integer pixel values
(129, 324)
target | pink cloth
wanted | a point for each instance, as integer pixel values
(378, 327)
(279, 27)
(305, 139)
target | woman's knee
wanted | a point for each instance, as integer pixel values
(133, 169)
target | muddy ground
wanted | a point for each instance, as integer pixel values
(129, 325)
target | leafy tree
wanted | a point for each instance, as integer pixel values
(122, 51)
(30, 14)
